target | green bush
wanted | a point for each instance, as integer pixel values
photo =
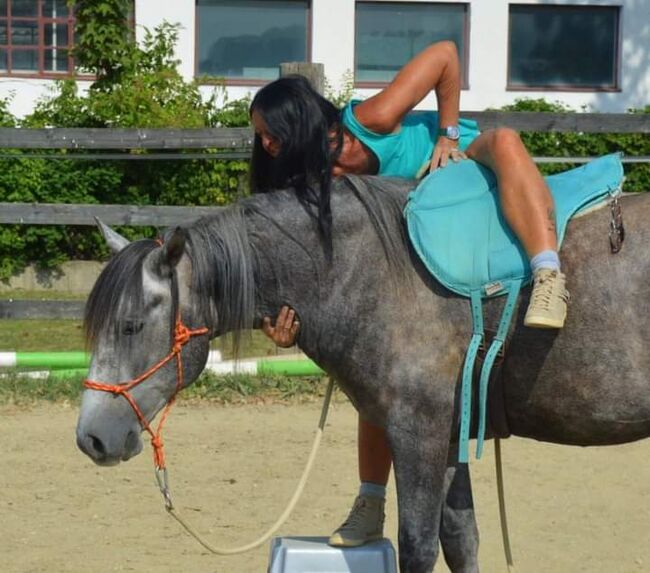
(637, 175)
(6, 118)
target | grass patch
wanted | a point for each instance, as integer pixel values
(244, 387)
(67, 335)
(20, 390)
(228, 389)
(41, 335)
(19, 294)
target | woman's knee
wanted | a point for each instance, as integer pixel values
(506, 140)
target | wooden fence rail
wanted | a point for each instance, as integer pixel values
(242, 137)
(85, 214)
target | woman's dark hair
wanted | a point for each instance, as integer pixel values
(308, 129)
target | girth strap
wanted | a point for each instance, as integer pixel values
(478, 335)
(495, 348)
(468, 369)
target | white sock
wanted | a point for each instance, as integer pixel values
(548, 259)
(372, 489)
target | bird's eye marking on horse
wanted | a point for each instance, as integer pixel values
(132, 327)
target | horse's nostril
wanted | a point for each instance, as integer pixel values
(97, 446)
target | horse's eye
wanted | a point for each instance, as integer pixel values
(132, 327)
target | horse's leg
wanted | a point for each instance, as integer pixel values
(419, 443)
(458, 530)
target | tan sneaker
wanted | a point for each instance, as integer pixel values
(365, 523)
(548, 301)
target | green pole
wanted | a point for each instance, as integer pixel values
(52, 360)
(289, 368)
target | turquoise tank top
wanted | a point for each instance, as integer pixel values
(405, 152)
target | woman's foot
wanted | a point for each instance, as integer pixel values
(364, 524)
(548, 301)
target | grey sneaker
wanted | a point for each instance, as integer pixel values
(548, 301)
(365, 523)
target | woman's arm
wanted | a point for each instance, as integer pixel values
(435, 68)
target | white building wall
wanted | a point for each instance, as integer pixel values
(332, 37)
(150, 13)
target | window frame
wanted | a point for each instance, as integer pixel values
(41, 21)
(203, 79)
(464, 61)
(616, 87)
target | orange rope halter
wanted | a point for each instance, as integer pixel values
(182, 335)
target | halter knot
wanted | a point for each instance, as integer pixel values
(182, 335)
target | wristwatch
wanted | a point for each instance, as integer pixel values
(451, 132)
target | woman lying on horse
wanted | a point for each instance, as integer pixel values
(302, 140)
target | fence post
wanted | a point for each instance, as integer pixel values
(315, 73)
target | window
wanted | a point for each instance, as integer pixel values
(249, 39)
(389, 34)
(36, 37)
(573, 47)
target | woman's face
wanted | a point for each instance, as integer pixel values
(270, 144)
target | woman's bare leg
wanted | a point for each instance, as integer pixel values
(366, 519)
(528, 208)
(375, 458)
(525, 198)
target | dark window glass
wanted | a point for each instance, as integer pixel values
(3, 60)
(250, 38)
(24, 60)
(56, 34)
(3, 8)
(563, 46)
(25, 8)
(389, 34)
(24, 33)
(3, 33)
(55, 60)
(55, 9)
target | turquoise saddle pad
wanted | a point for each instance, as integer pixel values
(456, 226)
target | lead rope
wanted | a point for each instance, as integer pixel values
(169, 506)
(503, 518)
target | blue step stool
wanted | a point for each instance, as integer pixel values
(314, 555)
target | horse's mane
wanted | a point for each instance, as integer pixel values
(383, 202)
(223, 270)
(223, 258)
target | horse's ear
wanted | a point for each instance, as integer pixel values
(115, 241)
(162, 261)
(174, 247)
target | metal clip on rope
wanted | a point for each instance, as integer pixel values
(163, 485)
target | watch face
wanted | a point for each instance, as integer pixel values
(453, 132)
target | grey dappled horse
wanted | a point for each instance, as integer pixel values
(388, 333)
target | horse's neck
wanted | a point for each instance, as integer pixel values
(292, 268)
(289, 259)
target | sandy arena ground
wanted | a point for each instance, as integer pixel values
(233, 469)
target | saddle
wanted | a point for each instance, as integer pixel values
(456, 226)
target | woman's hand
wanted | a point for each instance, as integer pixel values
(444, 150)
(285, 329)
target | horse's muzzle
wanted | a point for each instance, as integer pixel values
(101, 452)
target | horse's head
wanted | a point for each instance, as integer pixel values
(139, 324)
